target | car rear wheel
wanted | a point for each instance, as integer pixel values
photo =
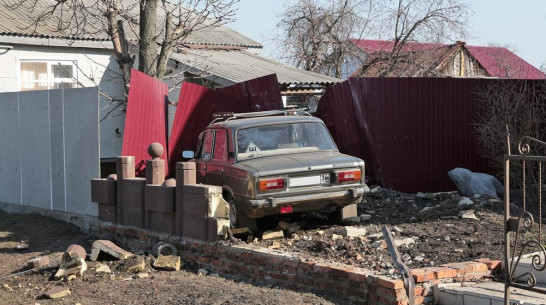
(238, 219)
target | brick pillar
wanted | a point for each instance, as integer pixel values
(155, 168)
(185, 174)
(125, 168)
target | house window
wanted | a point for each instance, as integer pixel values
(39, 75)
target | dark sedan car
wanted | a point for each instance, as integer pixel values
(273, 163)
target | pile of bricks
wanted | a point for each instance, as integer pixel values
(281, 269)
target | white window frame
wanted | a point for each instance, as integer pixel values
(50, 79)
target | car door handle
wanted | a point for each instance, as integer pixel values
(220, 171)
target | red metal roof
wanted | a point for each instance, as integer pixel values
(145, 120)
(497, 61)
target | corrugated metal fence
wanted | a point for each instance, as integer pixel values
(410, 131)
(50, 149)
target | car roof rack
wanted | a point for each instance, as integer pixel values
(228, 116)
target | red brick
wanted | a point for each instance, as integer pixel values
(204, 260)
(419, 300)
(390, 293)
(418, 290)
(390, 283)
(422, 275)
(400, 302)
(467, 267)
(443, 272)
(321, 268)
(358, 292)
(491, 264)
(357, 275)
(217, 262)
(339, 271)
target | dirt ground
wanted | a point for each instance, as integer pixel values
(46, 236)
(431, 224)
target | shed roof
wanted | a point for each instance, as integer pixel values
(238, 65)
(17, 20)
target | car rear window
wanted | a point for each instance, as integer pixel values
(281, 139)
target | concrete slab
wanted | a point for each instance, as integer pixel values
(490, 293)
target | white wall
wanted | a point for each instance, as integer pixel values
(96, 67)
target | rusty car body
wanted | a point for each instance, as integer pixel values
(276, 162)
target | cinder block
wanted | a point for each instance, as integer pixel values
(160, 198)
(132, 203)
(202, 189)
(125, 167)
(160, 207)
(104, 191)
(179, 216)
(155, 171)
(195, 205)
(160, 222)
(185, 173)
(195, 227)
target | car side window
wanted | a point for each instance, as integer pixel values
(220, 145)
(206, 152)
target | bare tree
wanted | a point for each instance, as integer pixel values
(314, 34)
(156, 27)
(519, 106)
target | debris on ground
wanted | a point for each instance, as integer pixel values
(163, 248)
(167, 262)
(470, 183)
(202, 272)
(133, 265)
(76, 266)
(273, 234)
(21, 247)
(102, 268)
(39, 262)
(351, 231)
(57, 292)
(73, 251)
(107, 247)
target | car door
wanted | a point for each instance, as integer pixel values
(204, 157)
(216, 168)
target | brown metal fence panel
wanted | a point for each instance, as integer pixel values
(410, 131)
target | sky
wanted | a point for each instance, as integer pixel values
(520, 24)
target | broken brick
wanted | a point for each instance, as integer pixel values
(167, 262)
(39, 262)
(57, 292)
(133, 265)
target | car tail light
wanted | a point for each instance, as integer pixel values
(286, 209)
(349, 176)
(271, 184)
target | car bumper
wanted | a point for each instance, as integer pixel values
(352, 193)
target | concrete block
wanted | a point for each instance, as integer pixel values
(155, 171)
(195, 227)
(179, 216)
(349, 211)
(276, 234)
(160, 222)
(108, 247)
(132, 203)
(104, 191)
(200, 199)
(195, 205)
(185, 173)
(125, 167)
(159, 198)
(167, 262)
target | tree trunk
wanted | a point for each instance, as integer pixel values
(121, 47)
(147, 44)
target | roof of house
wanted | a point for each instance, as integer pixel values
(496, 61)
(239, 65)
(17, 20)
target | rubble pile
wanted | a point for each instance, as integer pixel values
(429, 229)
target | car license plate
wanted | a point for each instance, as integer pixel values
(311, 180)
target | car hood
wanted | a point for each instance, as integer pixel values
(301, 162)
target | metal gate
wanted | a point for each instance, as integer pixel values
(523, 230)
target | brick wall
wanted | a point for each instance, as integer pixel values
(360, 286)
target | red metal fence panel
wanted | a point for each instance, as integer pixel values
(196, 104)
(145, 121)
(410, 131)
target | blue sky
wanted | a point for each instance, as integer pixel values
(519, 24)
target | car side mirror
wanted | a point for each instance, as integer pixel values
(188, 154)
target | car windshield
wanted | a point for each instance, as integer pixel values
(270, 140)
